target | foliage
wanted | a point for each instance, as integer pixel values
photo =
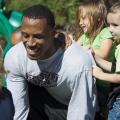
(64, 10)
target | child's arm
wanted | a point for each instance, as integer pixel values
(98, 73)
(106, 65)
(104, 49)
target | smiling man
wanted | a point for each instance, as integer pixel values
(48, 82)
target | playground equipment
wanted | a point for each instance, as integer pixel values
(9, 21)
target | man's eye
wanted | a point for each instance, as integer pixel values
(25, 35)
(38, 36)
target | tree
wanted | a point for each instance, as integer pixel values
(64, 11)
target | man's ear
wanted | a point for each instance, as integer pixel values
(53, 31)
(59, 39)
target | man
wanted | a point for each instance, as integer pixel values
(59, 81)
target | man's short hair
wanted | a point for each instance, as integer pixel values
(38, 12)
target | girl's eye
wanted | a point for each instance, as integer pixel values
(115, 25)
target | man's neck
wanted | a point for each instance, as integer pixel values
(51, 51)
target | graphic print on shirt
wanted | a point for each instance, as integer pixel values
(44, 78)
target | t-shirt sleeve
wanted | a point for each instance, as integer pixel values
(105, 34)
(102, 36)
(17, 86)
(82, 105)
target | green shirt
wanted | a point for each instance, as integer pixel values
(103, 35)
(117, 57)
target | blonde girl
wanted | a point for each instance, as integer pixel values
(94, 34)
(91, 17)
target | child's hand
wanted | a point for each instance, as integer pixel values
(96, 71)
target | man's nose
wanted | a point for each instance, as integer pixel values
(31, 41)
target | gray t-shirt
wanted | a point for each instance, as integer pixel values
(67, 76)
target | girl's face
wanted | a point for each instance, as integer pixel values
(84, 21)
(113, 20)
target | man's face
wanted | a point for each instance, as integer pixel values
(113, 20)
(37, 37)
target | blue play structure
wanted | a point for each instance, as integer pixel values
(9, 21)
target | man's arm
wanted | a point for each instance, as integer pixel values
(82, 105)
(18, 88)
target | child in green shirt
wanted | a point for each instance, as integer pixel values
(94, 33)
(113, 19)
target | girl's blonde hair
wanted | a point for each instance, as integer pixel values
(96, 12)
